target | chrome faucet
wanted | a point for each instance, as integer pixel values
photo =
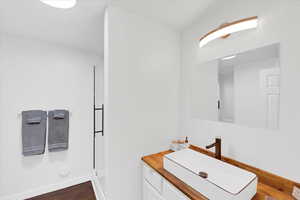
(217, 146)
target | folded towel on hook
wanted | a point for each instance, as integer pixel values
(34, 120)
(59, 114)
(34, 124)
(58, 134)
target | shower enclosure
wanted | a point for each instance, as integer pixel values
(98, 123)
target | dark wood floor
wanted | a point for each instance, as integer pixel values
(82, 191)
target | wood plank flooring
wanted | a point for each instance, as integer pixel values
(82, 191)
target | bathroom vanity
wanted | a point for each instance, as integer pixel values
(161, 184)
(155, 187)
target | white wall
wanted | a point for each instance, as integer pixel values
(274, 151)
(40, 75)
(141, 97)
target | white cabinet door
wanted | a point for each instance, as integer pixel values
(172, 193)
(149, 193)
(153, 178)
(155, 187)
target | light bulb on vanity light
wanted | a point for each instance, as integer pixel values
(63, 4)
(225, 30)
(229, 57)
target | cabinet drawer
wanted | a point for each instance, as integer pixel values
(172, 193)
(149, 193)
(153, 178)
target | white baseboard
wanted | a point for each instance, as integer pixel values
(100, 173)
(97, 186)
(49, 188)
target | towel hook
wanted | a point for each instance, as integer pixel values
(19, 115)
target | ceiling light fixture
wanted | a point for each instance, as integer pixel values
(229, 57)
(63, 4)
(225, 30)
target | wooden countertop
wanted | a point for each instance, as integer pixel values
(264, 191)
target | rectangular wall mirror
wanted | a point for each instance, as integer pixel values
(243, 89)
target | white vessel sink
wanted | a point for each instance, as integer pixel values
(223, 181)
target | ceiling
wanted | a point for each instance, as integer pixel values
(254, 55)
(82, 26)
(262, 53)
(178, 14)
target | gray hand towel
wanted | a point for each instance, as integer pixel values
(34, 123)
(58, 138)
